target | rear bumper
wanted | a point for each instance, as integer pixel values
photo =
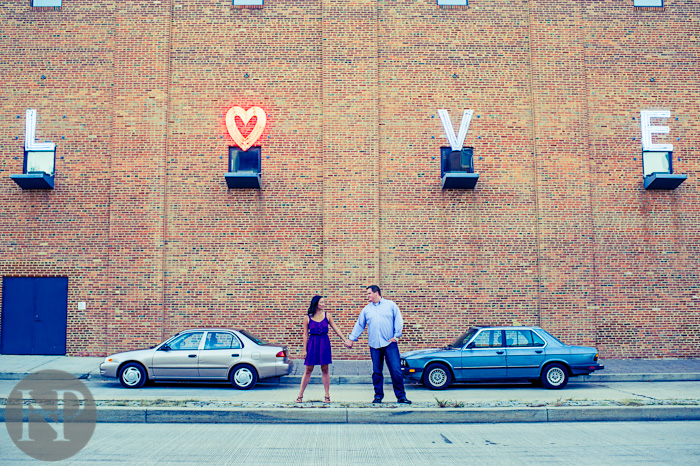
(284, 368)
(585, 369)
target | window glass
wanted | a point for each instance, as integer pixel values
(536, 340)
(247, 2)
(656, 162)
(519, 338)
(488, 339)
(40, 162)
(464, 338)
(648, 3)
(38, 3)
(460, 161)
(244, 161)
(550, 336)
(452, 2)
(187, 341)
(253, 338)
(221, 340)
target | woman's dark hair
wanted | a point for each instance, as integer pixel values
(314, 305)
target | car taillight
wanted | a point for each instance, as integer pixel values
(595, 358)
(282, 354)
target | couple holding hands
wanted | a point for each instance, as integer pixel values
(384, 324)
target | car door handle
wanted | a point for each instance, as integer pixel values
(538, 351)
(192, 356)
(235, 355)
(499, 352)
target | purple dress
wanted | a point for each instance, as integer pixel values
(318, 349)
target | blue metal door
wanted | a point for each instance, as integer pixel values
(34, 315)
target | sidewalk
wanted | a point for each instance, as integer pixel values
(618, 393)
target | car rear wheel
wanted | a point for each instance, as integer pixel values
(437, 376)
(555, 376)
(132, 375)
(244, 377)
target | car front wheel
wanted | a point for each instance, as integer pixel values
(437, 376)
(555, 376)
(244, 377)
(132, 375)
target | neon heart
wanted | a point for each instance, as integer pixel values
(245, 115)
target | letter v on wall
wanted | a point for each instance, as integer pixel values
(456, 142)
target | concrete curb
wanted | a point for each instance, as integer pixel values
(157, 415)
(21, 375)
(392, 415)
(646, 377)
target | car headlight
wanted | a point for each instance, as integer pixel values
(404, 363)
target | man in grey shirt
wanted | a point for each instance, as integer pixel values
(384, 324)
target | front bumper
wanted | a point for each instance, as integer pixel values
(585, 369)
(109, 369)
(412, 373)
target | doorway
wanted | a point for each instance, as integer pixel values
(34, 315)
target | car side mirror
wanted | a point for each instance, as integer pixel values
(470, 345)
(164, 348)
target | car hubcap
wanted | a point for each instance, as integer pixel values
(555, 376)
(243, 377)
(437, 377)
(131, 376)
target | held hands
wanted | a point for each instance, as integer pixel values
(348, 343)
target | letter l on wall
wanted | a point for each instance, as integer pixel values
(30, 143)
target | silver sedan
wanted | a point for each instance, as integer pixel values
(201, 354)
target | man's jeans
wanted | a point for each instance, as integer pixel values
(393, 361)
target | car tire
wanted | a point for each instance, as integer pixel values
(555, 376)
(243, 377)
(437, 376)
(132, 375)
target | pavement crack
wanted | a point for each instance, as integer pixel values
(636, 394)
(445, 439)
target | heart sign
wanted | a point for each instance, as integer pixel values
(245, 115)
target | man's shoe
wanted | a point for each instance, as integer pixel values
(404, 401)
(377, 400)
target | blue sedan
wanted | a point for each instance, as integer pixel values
(500, 354)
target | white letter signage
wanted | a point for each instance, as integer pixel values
(30, 143)
(648, 130)
(456, 142)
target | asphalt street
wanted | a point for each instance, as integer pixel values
(608, 443)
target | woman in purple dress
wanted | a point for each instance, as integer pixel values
(317, 345)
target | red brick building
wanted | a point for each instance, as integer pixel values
(559, 230)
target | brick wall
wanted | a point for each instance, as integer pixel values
(559, 231)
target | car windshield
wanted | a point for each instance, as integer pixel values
(253, 338)
(464, 338)
(551, 336)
